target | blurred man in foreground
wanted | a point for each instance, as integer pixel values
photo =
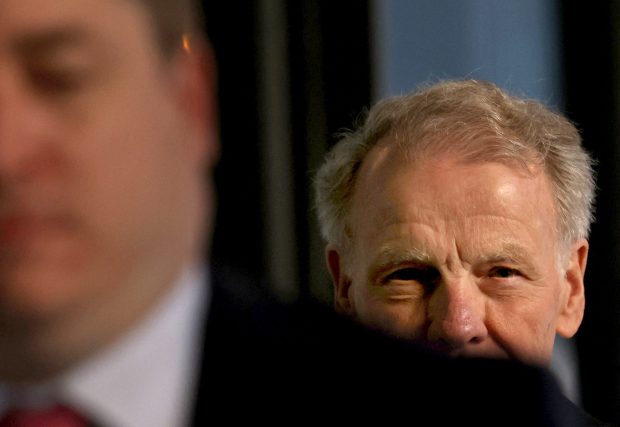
(106, 130)
(108, 315)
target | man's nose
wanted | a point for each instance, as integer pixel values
(21, 126)
(456, 312)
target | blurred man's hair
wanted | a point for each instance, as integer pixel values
(173, 20)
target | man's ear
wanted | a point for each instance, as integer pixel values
(343, 301)
(196, 82)
(573, 304)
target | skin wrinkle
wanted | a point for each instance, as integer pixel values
(418, 252)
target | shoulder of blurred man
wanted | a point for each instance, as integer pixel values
(268, 361)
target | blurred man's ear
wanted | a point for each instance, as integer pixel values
(197, 91)
(573, 303)
(343, 301)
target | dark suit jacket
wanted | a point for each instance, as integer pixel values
(302, 364)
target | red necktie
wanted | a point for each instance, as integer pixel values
(56, 416)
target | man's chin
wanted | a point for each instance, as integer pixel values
(33, 295)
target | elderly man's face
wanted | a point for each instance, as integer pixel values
(463, 256)
(101, 157)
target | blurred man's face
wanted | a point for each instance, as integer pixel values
(462, 256)
(100, 159)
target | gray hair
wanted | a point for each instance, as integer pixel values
(477, 121)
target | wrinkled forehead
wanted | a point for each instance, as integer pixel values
(447, 184)
(398, 150)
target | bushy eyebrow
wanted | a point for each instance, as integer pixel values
(392, 256)
(508, 253)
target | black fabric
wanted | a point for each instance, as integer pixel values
(268, 362)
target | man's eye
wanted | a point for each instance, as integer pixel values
(425, 276)
(504, 272)
(56, 82)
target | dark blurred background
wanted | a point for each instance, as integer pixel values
(292, 73)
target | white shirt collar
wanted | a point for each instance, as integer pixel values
(148, 377)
